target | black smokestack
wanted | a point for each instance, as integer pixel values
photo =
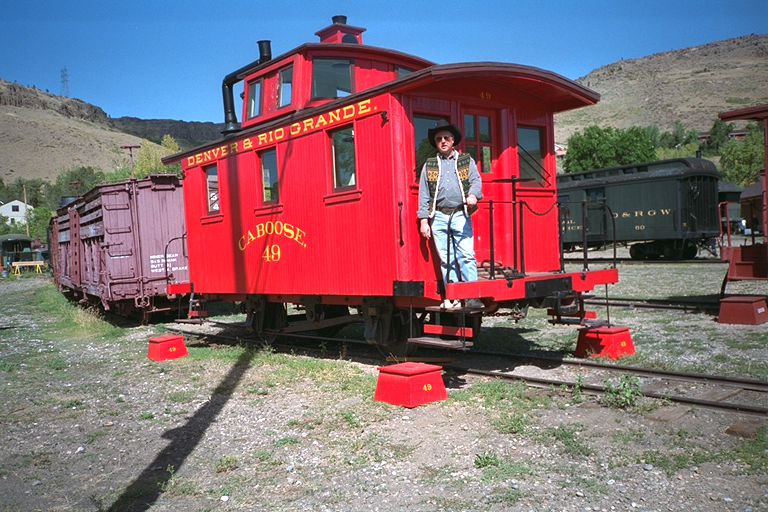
(340, 19)
(265, 50)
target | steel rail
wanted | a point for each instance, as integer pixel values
(596, 388)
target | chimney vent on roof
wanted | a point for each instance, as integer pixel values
(340, 32)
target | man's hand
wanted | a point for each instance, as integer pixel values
(471, 200)
(424, 229)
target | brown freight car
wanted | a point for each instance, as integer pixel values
(121, 245)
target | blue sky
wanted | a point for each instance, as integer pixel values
(157, 59)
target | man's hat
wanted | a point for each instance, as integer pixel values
(445, 128)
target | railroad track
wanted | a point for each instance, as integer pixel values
(733, 394)
(748, 396)
(682, 305)
(630, 261)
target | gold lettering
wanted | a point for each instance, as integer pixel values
(334, 116)
(295, 128)
(666, 211)
(233, 147)
(308, 123)
(259, 230)
(364, 107)
(320, 121)
(269, 228)
(278, 227)
(288, 231)
(199, 158)
(639, 213)
(262, 139)
(299, 234)
(651, 213)
(190, 161)
(279, 133)
(348, 111)
(242, 244)
(247, 144)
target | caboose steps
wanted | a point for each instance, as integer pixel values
(429, 341)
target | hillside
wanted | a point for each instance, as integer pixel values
(42, 135)
(691, 85)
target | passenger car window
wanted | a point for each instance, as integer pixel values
(269, 176)
(344, 166)
(212, 188)
(478, 140)
(331, 78)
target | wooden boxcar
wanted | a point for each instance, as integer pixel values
(121, 244)
(312, 200)
(664, 209)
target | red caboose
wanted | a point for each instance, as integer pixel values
(313, 200)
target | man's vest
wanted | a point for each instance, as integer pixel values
(433, 181)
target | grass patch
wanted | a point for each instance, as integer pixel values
(502, 395)
(226, 464)
(146, 416)
(672, 463)
(286, 441)
(181, 397)
(495, 469)
(622, 394)
(511, 423)
(754, 452)
(568, 437)
(8, 366)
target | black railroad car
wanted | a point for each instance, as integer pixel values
(120, 245)
(663, 209)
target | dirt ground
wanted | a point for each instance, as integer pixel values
(89, 424)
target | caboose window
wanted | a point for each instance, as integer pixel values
(269, 176)
(286, 87)
(421, 125)
(530, 150)
(331, 78)
(254, 99)
(212, 187)
(344, 168)
(478, 140)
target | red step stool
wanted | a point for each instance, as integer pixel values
(743, 309)
(166, 348)
(410, 384)
(611, 342)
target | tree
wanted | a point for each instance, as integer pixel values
(38, 221)
(718, 136)
(741, 161)
(150, 157)
(597, 147)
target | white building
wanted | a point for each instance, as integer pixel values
(15, 211)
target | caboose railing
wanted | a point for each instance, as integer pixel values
(585, 208)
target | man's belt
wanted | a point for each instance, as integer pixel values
(451, 210)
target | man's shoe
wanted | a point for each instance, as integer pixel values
(451, 304)
(474, 304)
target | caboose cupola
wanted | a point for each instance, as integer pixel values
(340, 32)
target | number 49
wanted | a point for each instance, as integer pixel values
(271, 253)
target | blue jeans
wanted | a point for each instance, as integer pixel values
(462, 249)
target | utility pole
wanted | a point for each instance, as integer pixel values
(65, 82)
(26, 207)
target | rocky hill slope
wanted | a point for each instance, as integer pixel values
(691, 85)
(42, 135)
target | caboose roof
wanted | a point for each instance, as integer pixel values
(557, 92)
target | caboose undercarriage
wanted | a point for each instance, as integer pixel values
(399, 323)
